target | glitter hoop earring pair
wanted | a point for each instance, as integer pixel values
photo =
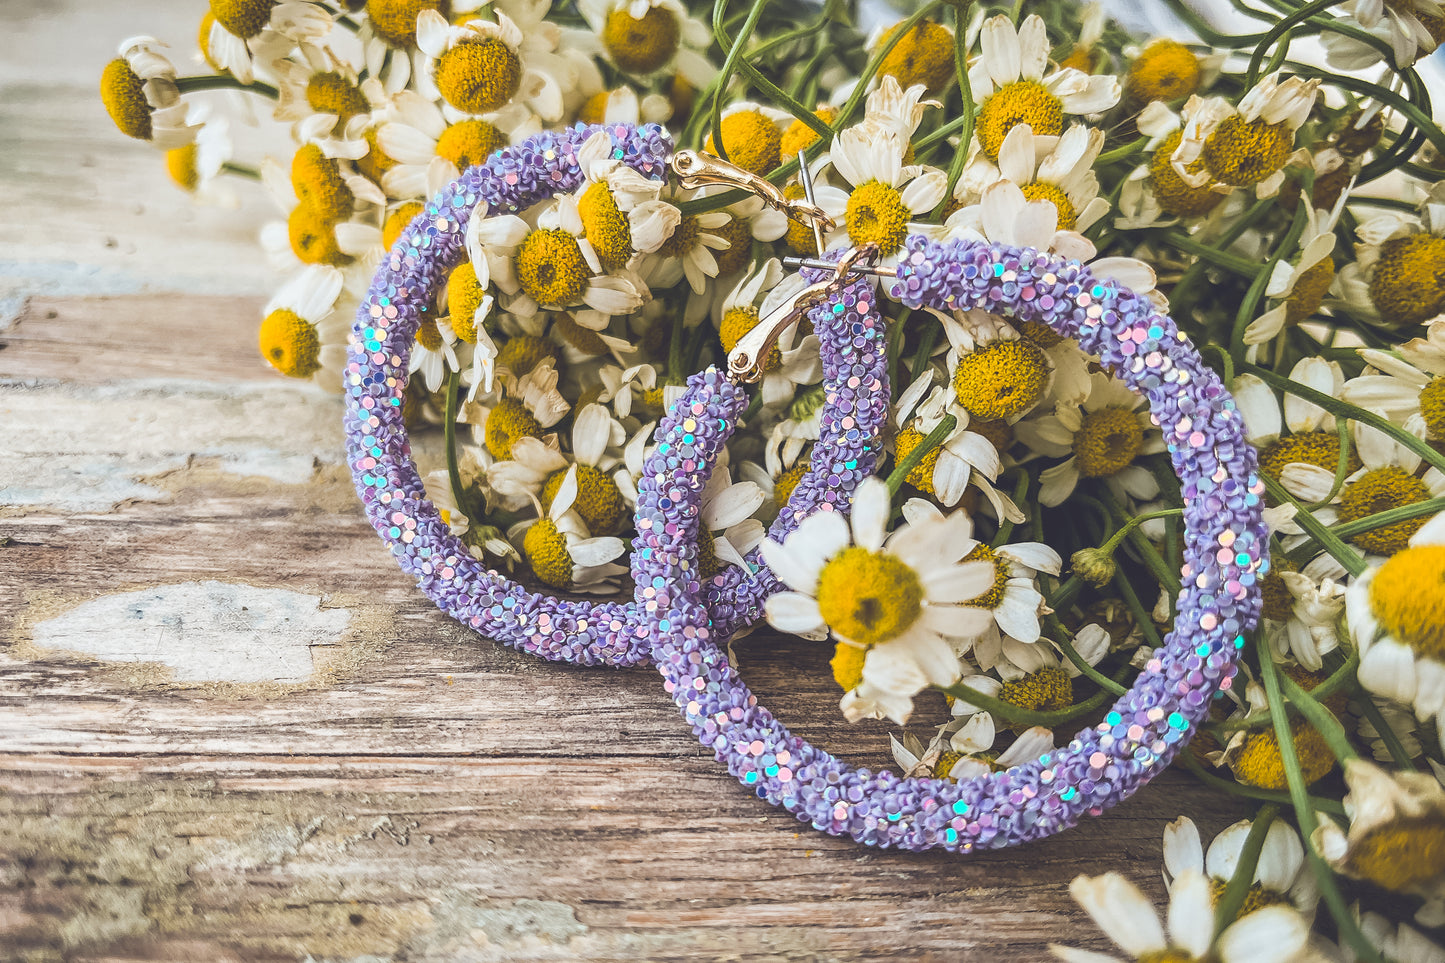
(680, 622)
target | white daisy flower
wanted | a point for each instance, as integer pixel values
(196, 167)
(434, 353)
(1394, 614)
(1397, 820)
(249, 37)
(1299, 287)
(1011, 87)
(892, 599)
(1405, 383)
(647, 38)
(964, 456)
(318, 86)
(1102, 437)
(1247, 145)
(1127, 918)
(622, 211)
(302, 334)
(728, 530)
(563, 553)
(1412, 27)
(537, 470)
(139, 92)
(1280, 874)
(1295, 433)
(1056, 169)
(1393, 281)
(482, 66)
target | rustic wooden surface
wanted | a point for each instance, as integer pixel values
(230, 729)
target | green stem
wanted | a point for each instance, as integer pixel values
(1338, 679)
(1162, 573)
(1021, 716)
(1305, 815)
(1134, 523)
(1318, 716)
(1330, 542)
(191, 85)
(1142, 617)
(1063, 640)
(240, 170)
(1209, 779)
(926, 342)
(1389, 517)
(1241, 266)
(1279, 30)
(1232, 900)
(1250, 304)
(930, 441)
(965, 90)
(734, 56)
(1120, 153)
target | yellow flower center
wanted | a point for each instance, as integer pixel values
(1002, 379)
(546, 550)
(1046, 690)
(945, 764)
(1402, 854)
(397, 221)
(594, 110)
(752, 141)
(799, 136)
(375, 162)
(394, 21)
(1256, 897)
(1244, 152)
(470, 142)
(999, 433)
(507, 422)
(203, 41)
(920, 476)
(1407, 285)
(290, 343)
(1081, 58)
(1164, 70)
(585, 340)
(1407, 595)
(605, 226)
(847, 663)
(799, 237)
(181, 165)
(738, 233)
(523, 353)
(1040, 334)
(1432, 406)
(464, 296)
(479, 77)
(1318, 448)
(1173, 194)
(1379, 490)
(1039, 191)
(317, 181)
(427, 334)
(876, 215)
(788, 481)
(869, 597)
(640, 46)
(924, 56)
(737, 322)
(331, 93)
(707, 563)
(244, 18)
(683, 237)
(313, 237)
(1170, 955)
(994, 596)
(598, 501)
(1310, 288)
(1107, 442)
(123, 93)
(550, 267)
(1021, 102)
(681, 95)
(1258, 762)
(1278, 599)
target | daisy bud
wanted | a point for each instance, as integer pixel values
(1094, 565)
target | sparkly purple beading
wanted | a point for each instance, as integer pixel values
(1225, 540)
(378, 449)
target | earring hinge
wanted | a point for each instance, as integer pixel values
(695, 169)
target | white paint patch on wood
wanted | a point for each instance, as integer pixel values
(203, 631)
(86, 448)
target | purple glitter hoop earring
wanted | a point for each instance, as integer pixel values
(1225, 541)
(391, 490)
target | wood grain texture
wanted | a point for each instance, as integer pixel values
(425, 795)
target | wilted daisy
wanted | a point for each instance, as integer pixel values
(434, 353)
(1414, 28)
(302, 334)
(1102, 438)
(1248, 145)
(247, 37)
(922, 57)
(139, 92)
(1310, 438)
(1406, 383)
(1394, 611)
(1281, 877)
(1126, 917)
(1398, 276)
(1298, 287)
(1253, 755)
(892, 599)
(1396, 835)
(621, 210)
(1010, 85)
(196, 167)
(561, 550)
(1167, 70)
